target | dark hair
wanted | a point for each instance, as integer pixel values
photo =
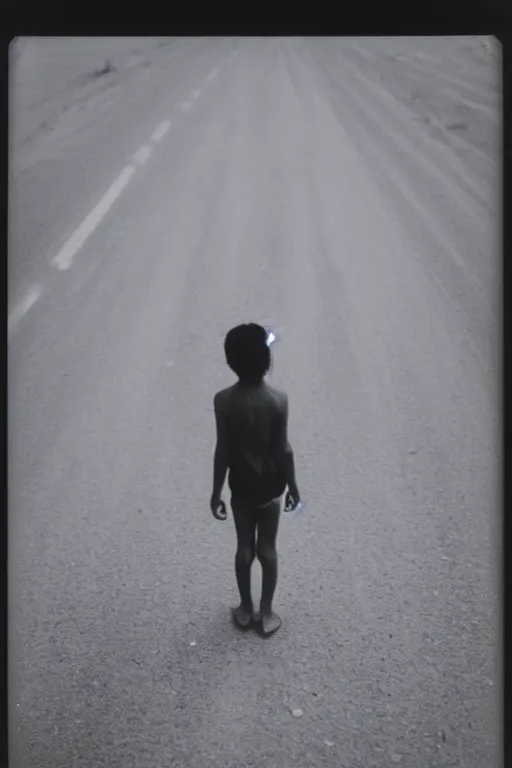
(247, 352)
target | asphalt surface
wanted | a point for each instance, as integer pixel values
(290, 190)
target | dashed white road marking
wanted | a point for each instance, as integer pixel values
(22, 308)
(64, 258)
(161, 130)
(196, 94)
(186, 106)
(143, 154)
(213, 74)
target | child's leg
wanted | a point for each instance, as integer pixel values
(268, 524)
(245, 523)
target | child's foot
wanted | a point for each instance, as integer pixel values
(268, 623)
(242, 617)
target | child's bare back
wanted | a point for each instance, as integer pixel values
(255, 422)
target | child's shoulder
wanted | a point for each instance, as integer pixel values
(278, 396)
(223, 396)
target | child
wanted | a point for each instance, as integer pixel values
(252, 443)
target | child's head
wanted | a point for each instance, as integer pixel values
(247, 352)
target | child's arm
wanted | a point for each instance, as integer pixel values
(284, 455)
(220, 459)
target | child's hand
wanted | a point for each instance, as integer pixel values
(218, 508)
(292, 499)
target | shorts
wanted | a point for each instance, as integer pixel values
(258, 492)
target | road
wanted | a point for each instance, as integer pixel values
(283, 184)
